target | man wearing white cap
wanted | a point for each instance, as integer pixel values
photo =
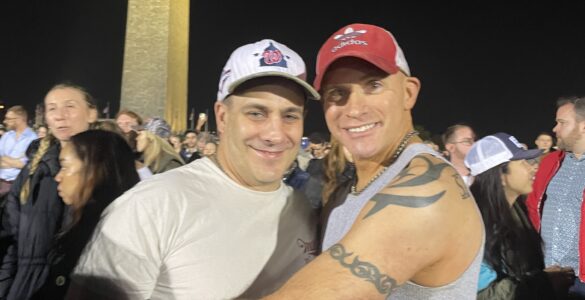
(225, 226)
(409, 228)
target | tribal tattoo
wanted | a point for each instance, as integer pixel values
(433, 173)
(383, 283)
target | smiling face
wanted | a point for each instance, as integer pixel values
(70, 176)
(518, 179)
(68, 113)
(367, 110)
(126, 122)
(261, 129)
(209, 149)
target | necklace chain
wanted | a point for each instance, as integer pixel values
(399, 150)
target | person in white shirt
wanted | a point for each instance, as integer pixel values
(224, 226)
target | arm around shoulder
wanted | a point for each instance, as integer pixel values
(398, 235)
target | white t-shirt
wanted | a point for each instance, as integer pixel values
(193, 233)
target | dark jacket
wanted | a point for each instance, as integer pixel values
(533, 283)
(548, 168)
(67, 248)
(28, 229)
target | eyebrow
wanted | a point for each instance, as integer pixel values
(364, 77)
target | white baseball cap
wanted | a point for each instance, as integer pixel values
(496, 149)
(261, 59)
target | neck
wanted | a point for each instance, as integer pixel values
(579, 147)
(459, 165)
(19, 129)
(511, 196)
(369, 169)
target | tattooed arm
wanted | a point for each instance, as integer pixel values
(423, 227)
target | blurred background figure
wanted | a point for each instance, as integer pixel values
(34, 213)
(513, 265)
(152, 141)
(97, 166)
(13, 145)
(108, 125)
(41, 131)
(545, 142)
(458, 139)
(189, 152)
(126, 120)
(176, 142)
(210, 148)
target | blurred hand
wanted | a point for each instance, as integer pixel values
(561, 278)
(201, 120)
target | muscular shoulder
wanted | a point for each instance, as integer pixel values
(425, 183)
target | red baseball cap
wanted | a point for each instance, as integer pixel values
(371, 43)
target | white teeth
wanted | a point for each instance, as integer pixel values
(361, 128)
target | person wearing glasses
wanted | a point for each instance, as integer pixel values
(458, 139)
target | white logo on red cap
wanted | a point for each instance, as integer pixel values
(349, 33)
(347, 39)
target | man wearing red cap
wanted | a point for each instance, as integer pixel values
(409, 228)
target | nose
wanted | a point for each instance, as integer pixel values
(58, 177)
(555, 128)
(355, 104)
(273, 131)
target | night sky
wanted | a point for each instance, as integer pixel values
(497, 67)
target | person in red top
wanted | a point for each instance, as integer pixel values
(556, 203)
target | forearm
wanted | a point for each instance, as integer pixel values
(9, 162)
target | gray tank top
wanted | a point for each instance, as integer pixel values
(342, 218)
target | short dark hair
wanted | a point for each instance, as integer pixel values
(450, 132)
(190, 131)
(578, 105)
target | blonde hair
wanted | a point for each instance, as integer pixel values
(49, 140)
(45, 144)
(154, 150)
(335, 163)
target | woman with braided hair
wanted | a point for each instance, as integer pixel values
(34, 213)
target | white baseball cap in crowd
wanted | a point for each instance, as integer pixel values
(262, 59)
(496, 149)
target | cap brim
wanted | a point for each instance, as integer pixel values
(527, 154)
(373, 59)
(309, 90)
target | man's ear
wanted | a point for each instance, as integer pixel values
(221, 111)
(449, 147)
(411, 89)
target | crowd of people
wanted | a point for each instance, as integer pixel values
(128, 209)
